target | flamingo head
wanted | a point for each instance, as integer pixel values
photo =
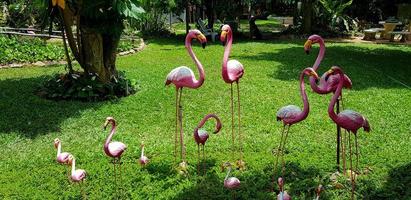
(280, 183)
(108, 120)
(56, 142)
(311, 40)
(218, 127)
(225, 165)
(196, 34)
(333, 70)
(225, 29)
(311, 72)
(70, 160)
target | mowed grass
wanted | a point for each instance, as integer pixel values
(380, 76)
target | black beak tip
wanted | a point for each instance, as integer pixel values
(204, 45)
(307, 52)
(223, 43)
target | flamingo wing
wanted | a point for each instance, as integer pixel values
(203, 135)
(235, 70)
(63, 158)
(78, 175)
(179, 74)
(232, 183)
(116, 148)
(287, 113)
(352, 121)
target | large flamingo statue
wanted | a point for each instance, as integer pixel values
(232, 71)
(348, 120)
(328, 84)
(62, 157)
(183, 77)
(201, 135)
(292, 114)
(113, 149)
(283, 195)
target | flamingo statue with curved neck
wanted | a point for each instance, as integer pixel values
(201, 135)
(143, 160)
(292, 114)
(283, 195)
(328, 83)
(348, 120)
(232, 71)
(113, 149)
(183, 77)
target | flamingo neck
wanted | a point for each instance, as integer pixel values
(109, 137)
(318, 197)
(228, 173)
(206, 118)
(142, 151)
(320, 56)
(306, 108)
(73, 167)
(227, 51)
(59, 149)
(317, 63)
(197, 83)
(335, 96)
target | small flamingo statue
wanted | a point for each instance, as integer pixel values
(232, 71)
(201, 135)
(77, 175)
(283, 195)
(292, 114)
(183, 77)
(348, 120)
(113, 149)
(232, 182)
(328, 84)
(318, 191)
(143, 159)
(62, 157)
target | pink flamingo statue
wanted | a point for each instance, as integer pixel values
(62, 157)
(232, 182)
(143, 159)
(283, 195)
(232, 71)
(348, 120)
(327, 85)
(292, 114)
(183, 77)
(201, 135)
(113, 149)
(77, 175)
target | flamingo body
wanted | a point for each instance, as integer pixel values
(202, 136)
(352, 121)
(62, 158)
(235, 71)
(143, 160)
(283, 196)
(115, 149)
(288, 114)
(181, 77)
(78, 175)
(232, 183)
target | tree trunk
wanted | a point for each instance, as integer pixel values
(307, 15)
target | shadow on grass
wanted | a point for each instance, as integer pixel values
(255, 184)
(23, 112)
(397, 185)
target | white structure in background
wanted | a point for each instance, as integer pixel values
(173, 18)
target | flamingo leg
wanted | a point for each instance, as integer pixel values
(204, 160)
(338, 138)
(351, 171)
(198, 158)
(115, 173)
(277, 155)
(356, 152)
(176, 131)
(232, 120)
(343, 150)
(121, 179)
(239, 122)
(282, 151)
(183, 153)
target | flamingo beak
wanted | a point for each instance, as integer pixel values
(105, 125)
(307, 46)
(203, 40)
(218, 128)
(223, 37)
(315, 75)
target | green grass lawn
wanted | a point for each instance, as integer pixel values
(29, 125)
